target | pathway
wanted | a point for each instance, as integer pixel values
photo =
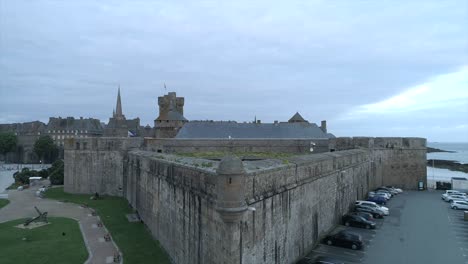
(22, 206)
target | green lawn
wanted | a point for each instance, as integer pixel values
(133, 239)
(4, 202)
(45, 244)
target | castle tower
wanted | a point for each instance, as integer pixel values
(171, 116)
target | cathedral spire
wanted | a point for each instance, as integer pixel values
(118, 112)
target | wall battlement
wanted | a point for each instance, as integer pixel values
(198, 211)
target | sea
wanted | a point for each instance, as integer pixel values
(7, 171)
(460, 155)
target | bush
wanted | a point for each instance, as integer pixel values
(56, 173)
(23, 176)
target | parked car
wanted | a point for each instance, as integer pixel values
(344, 239)
(398, 190)
(376, 213)
(326, 260)
(377, 199)
(384, 193)
(456, 197)
(373, 204)
(385, 189)
(459, 205)
(305, 260)
(367, 216)
(357, 221)
(319, 260)
(448, 193)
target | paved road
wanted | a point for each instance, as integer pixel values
(22, 206)
(420, 230)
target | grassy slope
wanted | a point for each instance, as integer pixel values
(133, 239)
(44, 244)
(4, 202)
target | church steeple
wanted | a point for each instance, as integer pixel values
(118, 111)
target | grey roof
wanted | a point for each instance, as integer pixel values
(26, 128)
(210, 129)
(70, 123)
(297, 118)
(172, 115)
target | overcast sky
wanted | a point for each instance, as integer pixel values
(370, 68)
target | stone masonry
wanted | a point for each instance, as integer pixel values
(232, 211)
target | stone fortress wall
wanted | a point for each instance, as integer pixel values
(200, 215)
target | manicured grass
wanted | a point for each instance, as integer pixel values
(45, 244)
(220, 154)
(4, 202)
(133, 239)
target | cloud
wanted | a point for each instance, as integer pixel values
(437, 109)
(230, 60)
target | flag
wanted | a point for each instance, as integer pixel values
(130, 134)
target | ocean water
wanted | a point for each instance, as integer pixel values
(7, 171)
(460, 155)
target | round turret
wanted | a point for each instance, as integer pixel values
(230, 189)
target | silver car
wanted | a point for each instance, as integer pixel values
(459, 205)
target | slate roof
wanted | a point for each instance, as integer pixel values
(70, 123)
(297, 118)
(26, 128)
(171, 115)
(220, 129)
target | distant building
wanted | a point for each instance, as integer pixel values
(119, 126)
(60, 128)
(27, 134)
(171, 116)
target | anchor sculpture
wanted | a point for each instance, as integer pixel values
(42, 217)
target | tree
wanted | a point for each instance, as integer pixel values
(56, 175)
(45, 149)
(8, 142)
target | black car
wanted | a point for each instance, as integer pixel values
(326, 260)
(367, 216)
(357, 221)
(375, 213)
(305, 260)
(344, 239)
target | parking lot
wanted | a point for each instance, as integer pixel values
(421, 228)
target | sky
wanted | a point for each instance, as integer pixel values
(370, 68)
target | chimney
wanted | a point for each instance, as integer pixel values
(323, 126)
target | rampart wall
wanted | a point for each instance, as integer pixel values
(97, 164)
(295, 202)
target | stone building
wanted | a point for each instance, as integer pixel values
(27, 133)
(296, 127)
(171, 116)
(119, 126)
(60, 128)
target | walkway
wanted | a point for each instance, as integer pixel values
(22, 206)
